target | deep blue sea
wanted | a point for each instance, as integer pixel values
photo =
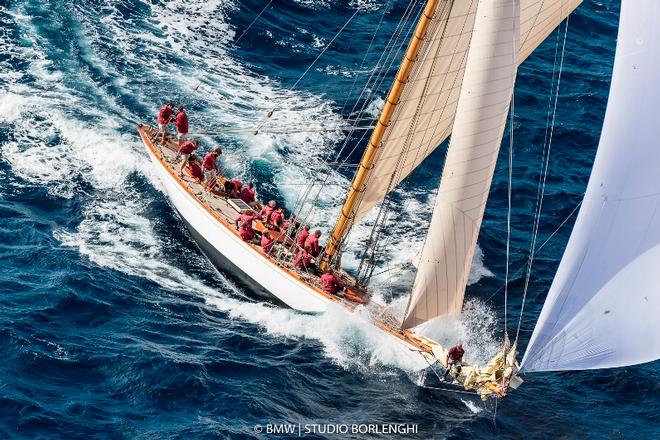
(113, 324)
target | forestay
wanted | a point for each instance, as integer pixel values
(481, 116)
(604, 304)
(427, 107)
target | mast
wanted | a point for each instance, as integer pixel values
(366, 164)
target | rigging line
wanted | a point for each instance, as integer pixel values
(253, 21)
(543, 159)
(325, 49)
(380, 76)
(364, 59)
(560, 226)
(416, 68)
(429, 145)
(374, 239)
(280, 131)
(545, 174)
(387, 52)
(303, 199)
(547, 240)
(441, 379)
(386, 60)
(270, 113)
(305, 184)
(451, 391)
(510, 185)
(327, 175)
(389, 268)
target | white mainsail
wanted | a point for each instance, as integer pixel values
(425, 112)
(481, 116)
(603, 308)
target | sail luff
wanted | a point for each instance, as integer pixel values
(603, 305)
(481, 116)
(366, 163)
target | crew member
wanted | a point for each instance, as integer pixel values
(181, 124)
(454, 359)
(247, 194)
(312, 244)
(164, 118)
(244, 224)
(302, 237)
(277, 218)
(267, 243)
(237, 186)
(185, 150)
(209, 166)
(331, 284)
(195, 168)
(267, 210)
(303, 261)
(291, 226)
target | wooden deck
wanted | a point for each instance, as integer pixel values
(284, 248)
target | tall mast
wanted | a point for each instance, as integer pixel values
(366, 164)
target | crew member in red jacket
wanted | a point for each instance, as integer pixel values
(302, 237)
(164, 118)
(267, 242)
(312, 244)
(331, 284)
(267, 211)
(185, 150)
(195, 168)
(454, 359)
(276, 219)
(303, 261)
(244, 225)
(209, 166)
(181, 124)
(247, 194)
(237, 185)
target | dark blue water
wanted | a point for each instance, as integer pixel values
(114, 325)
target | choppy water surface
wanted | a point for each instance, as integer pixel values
(114, 325)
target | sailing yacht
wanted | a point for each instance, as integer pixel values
(457, 77)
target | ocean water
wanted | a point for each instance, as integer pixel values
(114, 325)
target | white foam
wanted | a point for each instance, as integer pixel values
(475, 327)
(476, 409)
(478, 270)
(54, 150)
(349, 340)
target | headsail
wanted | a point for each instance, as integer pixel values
(602, 308)
(481, 116)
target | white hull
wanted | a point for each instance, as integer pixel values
(251, 263)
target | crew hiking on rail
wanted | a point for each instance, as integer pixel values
(277, 234)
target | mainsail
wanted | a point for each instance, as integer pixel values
(603, 306)
(481, 116)
(425, 95)
(426, 110)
